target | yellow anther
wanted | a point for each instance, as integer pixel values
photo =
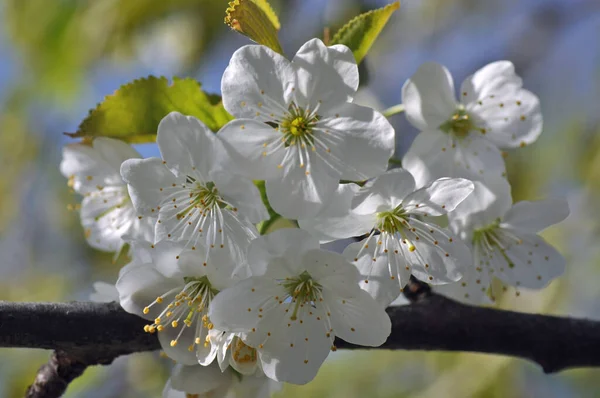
(159, 299)
(152, 329)
(197, 341)
(169, 313)
(173, 343)
(146, 328)
(157, 320)
(174, 324)
(160, 328)
(191, 348)
(146, 310)
(411, 248)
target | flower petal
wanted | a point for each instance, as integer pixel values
(327, 74)
(332, 271)
(495, 79)
(471, 289)
(360, 138)
(358, 320)
(216, 264)
(236, 309)
(180, 352)
(290, 243)
(186, 143)
(242, 194)
(385, 193)
(295, 349)
(300, 192)
(104, 292)
(510, 120)
(382, 278)
(532, 217)
(533, 264)
(139, 286)
(95, 165)
(428, 97)
(199, 379)
(489, 202)
(257, 77)
(254, 148)
(439, 197)
(145, 177)
(434, 154)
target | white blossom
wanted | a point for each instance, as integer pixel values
(173, 288)
(192, 196)
(297, 127)
(107, 213)
(504, 241)
(210, 381)
(297, 301)
(462, 138)
(399, 240)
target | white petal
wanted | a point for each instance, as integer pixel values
(236, 309)
(533, 264)
(489, 202)
(385, 193)
(140, 286)
(180, 352)
(382, 278)
(145, 177)
(291, 243)
(185, 142)
(328, 74)
(333, 271)
(300, 192)
(256, 75)
(433, 155)
(243, 358)
(242, 194)
(245, 140)
(440, 197)
(438, 257)
(428, 96)
(295, 349)
(104, 292)
(95, 166)
(532, 217)
(164, 256)
(497, 78)
(358, 320)
(471, 289)
(199, 379)
(510, 120)
(216, 264)
(362, 139)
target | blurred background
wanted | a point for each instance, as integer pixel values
(59, 58)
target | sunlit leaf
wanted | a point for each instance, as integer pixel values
(361, 32)
(133, 112)
(255, 19)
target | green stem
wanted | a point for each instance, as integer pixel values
(264, 227)
(393, 110)
(395, 161)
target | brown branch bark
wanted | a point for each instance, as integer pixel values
(84, 334)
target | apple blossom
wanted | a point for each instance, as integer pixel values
(297, 128)
(107, 213)
(298, 299)
(398, 242)
(504, 241)
(193, 197)
(462, 138)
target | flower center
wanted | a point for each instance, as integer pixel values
(302, 289)
(203, 197)
(459, 125)
(493, 238)
(242, 353)
(391, 221)
(297, 125)
(187, 306)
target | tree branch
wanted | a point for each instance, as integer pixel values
(84, 333)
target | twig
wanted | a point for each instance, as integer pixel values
(95, 333)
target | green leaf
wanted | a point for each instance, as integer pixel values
(133, 112)
(255, 19)
(360, 33)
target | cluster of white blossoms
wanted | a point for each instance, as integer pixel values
(240, 312)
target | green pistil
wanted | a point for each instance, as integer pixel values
(117, 206)
(459, 125)
(489, 234)
(391, 221)
(303, 290)
(298, 126)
